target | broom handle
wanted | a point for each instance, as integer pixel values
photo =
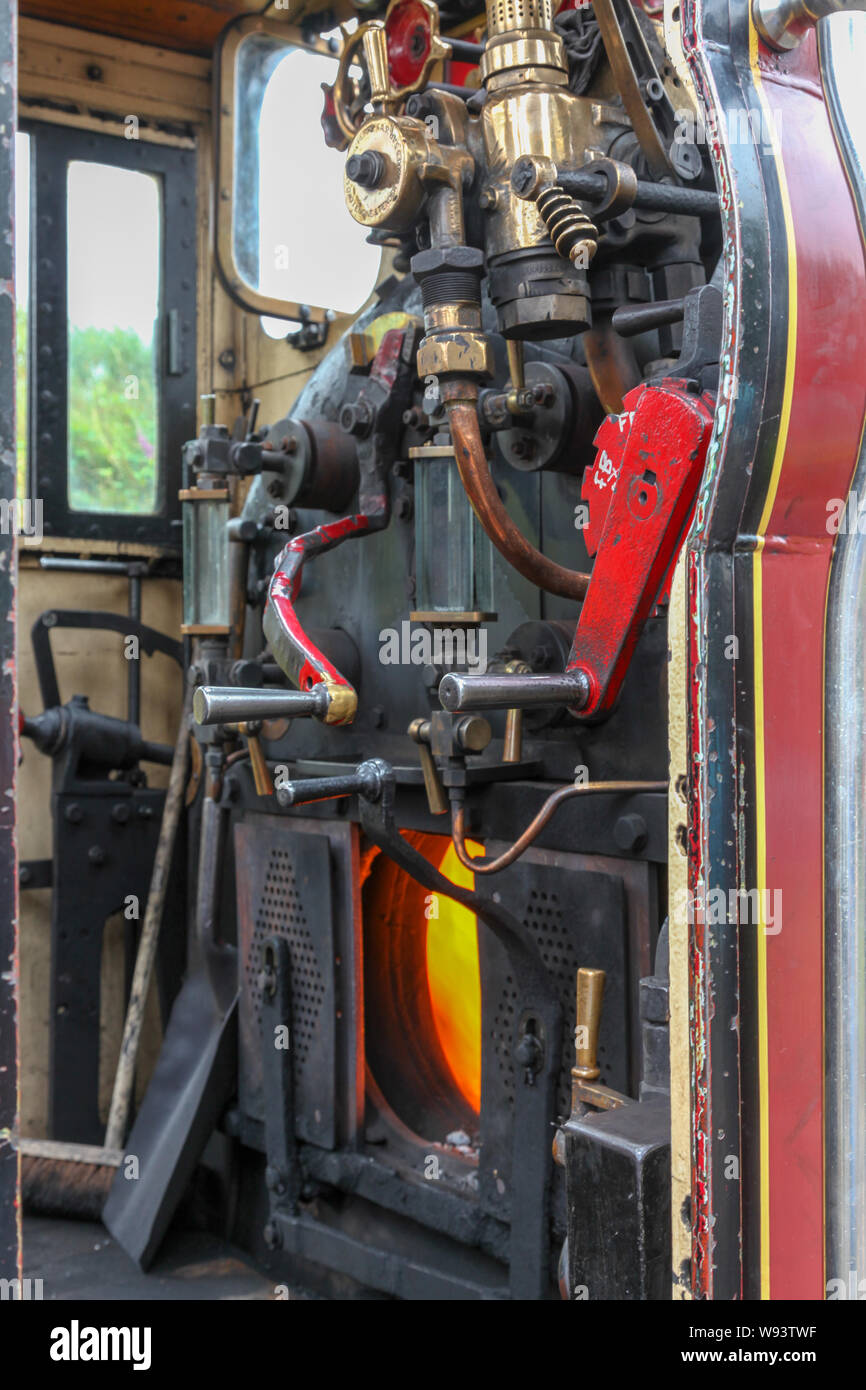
(125, 1075)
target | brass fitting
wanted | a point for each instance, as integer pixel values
(521, 35)
(590, 993)
(375, 44)
(572, 232)
(342, 703)
(394, 165)
(382, 179)
(456, 353)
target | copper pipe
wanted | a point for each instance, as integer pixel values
(512, 748)
(612, 365)
(239, 560)
(487, 505)
(537, 824)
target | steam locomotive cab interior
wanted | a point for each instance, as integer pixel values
(390, 380)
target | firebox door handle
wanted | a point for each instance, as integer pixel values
(366, 781)
(586, 1089)
(590, 995)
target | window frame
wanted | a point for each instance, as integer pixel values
(226, 180)
(52, 149)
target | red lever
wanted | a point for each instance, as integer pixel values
(641, 493)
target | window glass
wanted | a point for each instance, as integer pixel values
(293, 236)
(22, 297)
(114, 254)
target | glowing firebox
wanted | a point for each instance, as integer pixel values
(454, 979)
(423, 992)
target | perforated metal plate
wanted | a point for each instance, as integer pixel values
(298, 882)
(578, 908)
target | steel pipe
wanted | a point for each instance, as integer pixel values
(225, 704)
(458, 692)
(783, 24)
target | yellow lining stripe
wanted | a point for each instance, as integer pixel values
(757, 593)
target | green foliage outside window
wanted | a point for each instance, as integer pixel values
(112, 420)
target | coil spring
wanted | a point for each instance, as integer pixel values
(571, 230)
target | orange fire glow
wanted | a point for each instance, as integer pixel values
(454, 978)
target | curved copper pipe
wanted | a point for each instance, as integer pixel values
(487, 505)
(612, 365)
(537, 824)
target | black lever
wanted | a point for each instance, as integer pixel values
(367, 781)
(631, 319)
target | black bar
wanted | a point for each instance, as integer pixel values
(631, 319)
(318, 789)
(464, 92)
(463, 51)
(650, 197)
(133, 698)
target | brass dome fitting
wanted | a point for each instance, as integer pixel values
(520, 34)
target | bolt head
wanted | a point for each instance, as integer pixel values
(630, 833)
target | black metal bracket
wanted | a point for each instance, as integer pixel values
(149, 640)
(283, 1176)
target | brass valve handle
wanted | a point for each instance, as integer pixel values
(419, 732)
(590, 993)
(375, 51)
(375, 44)
(261, 776)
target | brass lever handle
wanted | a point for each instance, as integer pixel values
(590, 993)
(419, 732)
(375, 44)
(261, 777)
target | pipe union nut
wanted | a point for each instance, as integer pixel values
(465, 353)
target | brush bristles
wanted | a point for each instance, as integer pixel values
(53, 1187)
